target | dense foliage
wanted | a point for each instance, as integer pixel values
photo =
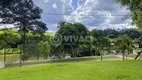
(31, 38)
(39, 45)
(135, 6)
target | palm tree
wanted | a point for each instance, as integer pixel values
(124, 44)
(100, 42)
(129, 50)
(103, 44)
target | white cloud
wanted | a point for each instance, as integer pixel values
(100, 14)
(0, 20)
(7, 26)
(92, 13)
(50, 31)
(46, 1)
(52, 27)
(54, 6)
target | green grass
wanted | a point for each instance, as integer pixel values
(134, 55)
(107, 70)
(83, 59)
(25, 64)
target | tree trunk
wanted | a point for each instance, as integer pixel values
(72, 52)
(4, 55)
(64, 55)
(24, 44)
(46, 56)
(126, 56)
(123, 54)
(50, 58)
(24, 39)
(101, 53)
(76, 55)
(20, 59)
(96, 52)
(37, 56)
(91, 53)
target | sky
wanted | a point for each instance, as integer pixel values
(94, 14)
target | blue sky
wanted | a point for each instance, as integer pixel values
(94, 14)
(74, 3)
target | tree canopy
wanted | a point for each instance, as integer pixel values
(135, 6)
(9, 37)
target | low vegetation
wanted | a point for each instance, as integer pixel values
(107, 70)
(26, 41)
(82, 59)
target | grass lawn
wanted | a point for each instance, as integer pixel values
(134, 55)
(106, 70)
(81, 59)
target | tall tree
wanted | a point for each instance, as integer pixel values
(100, 42)
(43, 48)
(135, 7)
(73, 31)
(8, 38)
(24, 14)
(124, 44)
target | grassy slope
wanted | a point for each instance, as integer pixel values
(108, 70)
